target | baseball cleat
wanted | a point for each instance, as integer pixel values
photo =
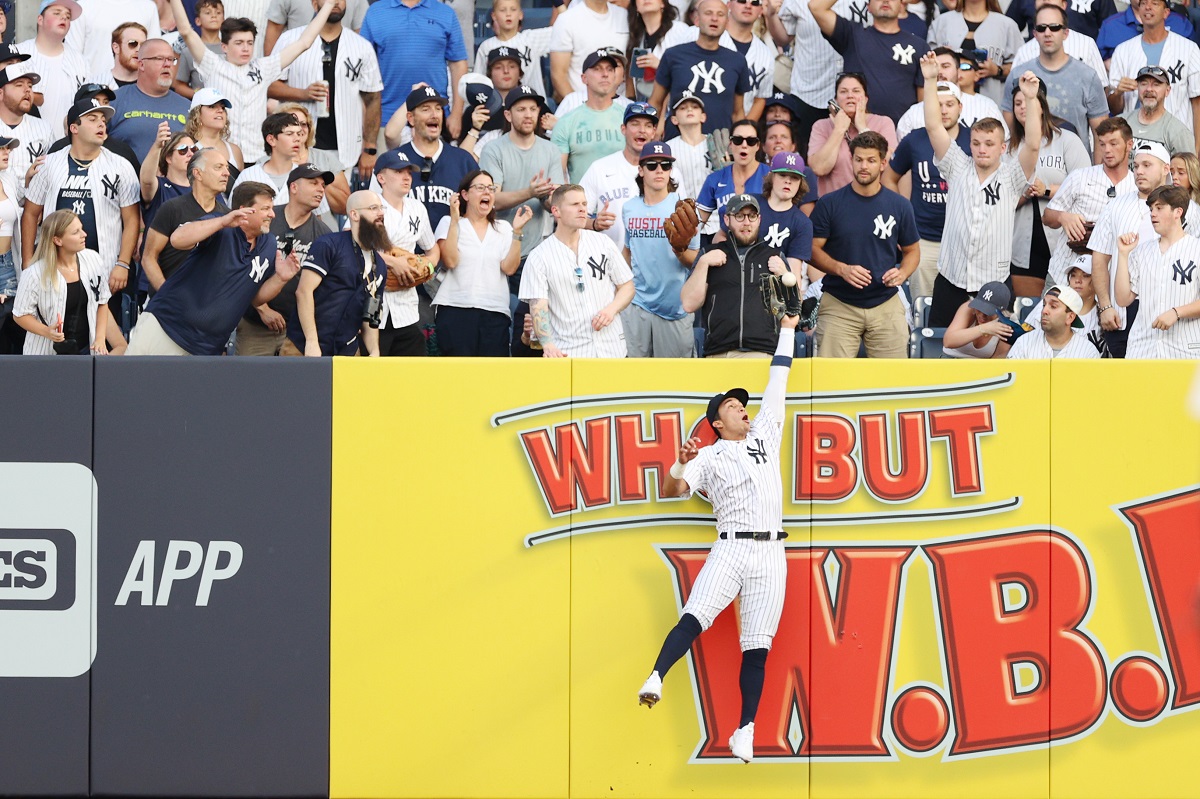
(741, 743)
(651, 690)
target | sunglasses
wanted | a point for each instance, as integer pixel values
(750, 140)
(183, 149)
(654, 166)
(1049, 26)
(755, 3)
(579, 278)
(967, 65)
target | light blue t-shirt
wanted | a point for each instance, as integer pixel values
(658, 276)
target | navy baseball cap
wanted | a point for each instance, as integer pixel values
(10, 53)
(603, 54)
(992, 298)
(640, 110)
(482, 94)
(422, 95)
(503, 53)
(657, 150)
(9, 142)
(520, 93)
(89, 90)
(85, 107)
(394, 159)
(785, 100)
(740, 202)
(309, 171)
(714, 404)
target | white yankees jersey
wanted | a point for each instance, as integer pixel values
(1181, 60)
(760, 58)
(612, 180)
(1034, 345)
(577, 287)
(816, 64)
(974, 108)
(1084, 192)
(35, 136)
(91, 34)
(408, 228)
(247, 87)
(1091, 324)
(1162, 281)
(1129, 213)
(977, 241)
(530, 45)
(691, 165)
(257, 172)
(47, 305)
(113, 184)
(256, 12)
(61, 76)
(357, 72)
(1077, 45)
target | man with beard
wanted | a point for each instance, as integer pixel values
(127, 41)
(233, 264)
(859, 233)
(341, 286)
(141, 107)
(63, 69)
(725, 282)
(1060, 330)
(1151, 121)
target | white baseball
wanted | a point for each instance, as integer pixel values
(788, 279)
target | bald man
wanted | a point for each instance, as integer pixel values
(340, 295)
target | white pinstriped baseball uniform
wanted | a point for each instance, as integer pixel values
(742, 481)
(113, 185)
(1180, 59)
(977, 241)
(1162, 281)
(1083, 192)
(815, 63)
(530, 45)
(1129, 213)
(408, 228)
(1034, 345)
(1078, 45)
(974, 108)
(554, 273)
(246, 86)
(357, 71)
(61, 76)
(33, 299)
(691, 165)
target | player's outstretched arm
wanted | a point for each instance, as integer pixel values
(781, 364)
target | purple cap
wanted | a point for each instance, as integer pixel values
(788, 162)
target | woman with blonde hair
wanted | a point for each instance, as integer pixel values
(62, 299)
(208, 125)
(1185, 173)
(336, 193)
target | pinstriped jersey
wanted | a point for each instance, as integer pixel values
(247, 87)
(1180, 59)
(1162, 281)
(977, 241)
(815, 63)
(1034, 345)
(742, 478)
(1083, 192)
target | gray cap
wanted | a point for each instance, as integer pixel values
(740, 202)
(992, 298)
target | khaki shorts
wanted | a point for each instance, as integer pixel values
(148, 338)
(841, 328)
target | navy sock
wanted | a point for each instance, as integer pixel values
(750, 680)
(678, 642)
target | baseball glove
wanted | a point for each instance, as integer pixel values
(682, 224)
(718, 149)
(418, 262)
(1081, 247)
(778, 299)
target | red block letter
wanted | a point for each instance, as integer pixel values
(636, 453)
(572, 465)
(827, 472)
(913, 468)
(962, 428)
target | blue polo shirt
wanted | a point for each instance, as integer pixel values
(413, 45)
(891, 63)
(199, 307)
(915, 154)
(341, 298)
(789, 231)
(868, 231)
(445, 175)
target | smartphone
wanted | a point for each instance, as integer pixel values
(287, 243)
(834, 107)
(979, 54)
(640, 73)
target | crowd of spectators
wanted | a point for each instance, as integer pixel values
(355, 177)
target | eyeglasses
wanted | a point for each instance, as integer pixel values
(579, 278)
(376, 208)
(184, 149)
(169, 59)
(1054, 27)
(1112, 192)
(486, 189)
(745, 216)
(133, 45)
(750, 140)
(654, 166)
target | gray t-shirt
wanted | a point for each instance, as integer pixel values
(512, 168)
(1168, 131)
(285, 302)
(1074, 93)
(298, 13)
(188, 72)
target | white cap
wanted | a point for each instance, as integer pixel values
(1155, 149)
(1083, 263)
(945, 87)
(208, 96)
(1070, 298)
(472, 77)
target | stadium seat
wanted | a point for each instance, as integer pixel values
(921, 308)
(1024, 305)
(926, 342)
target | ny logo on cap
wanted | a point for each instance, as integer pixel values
(429, 92)
(481, 98)
(790, 159)
(777, 96)
(504, 51)
(987, 296)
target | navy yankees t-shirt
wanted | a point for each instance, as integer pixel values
(76, 196)
(714, 75)
(341, 297)
(890, 62)
(868, 231)
(790, 231)
(199, 307)
(915, 154)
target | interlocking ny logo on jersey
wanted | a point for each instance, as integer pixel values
(353, 68)
(991, 194)
(858, 13)
(254, 74)
(903, 54)
(883, 227)
(258, 268)
(1182, 274)
(414, 226)
(756, 78)
(759, 454)
(112, 186)
(94, 285)
(776, 237)
(598, 267)
(79, 208)
(1081, 6)
(712, 74)
(1175, 73)
(35, 149)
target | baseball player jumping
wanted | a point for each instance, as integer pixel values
(740, 473)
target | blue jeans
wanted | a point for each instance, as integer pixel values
(8, 275)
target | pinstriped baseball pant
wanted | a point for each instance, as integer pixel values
(755, 569)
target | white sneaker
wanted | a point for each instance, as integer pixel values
(651, 690)
(742, 743)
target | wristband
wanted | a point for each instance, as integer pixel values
(677, 470)
(122, 264)
(1104, 308)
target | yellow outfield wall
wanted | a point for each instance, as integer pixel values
(992, 585)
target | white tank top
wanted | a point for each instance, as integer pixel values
(8, 216)
(969, 350)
